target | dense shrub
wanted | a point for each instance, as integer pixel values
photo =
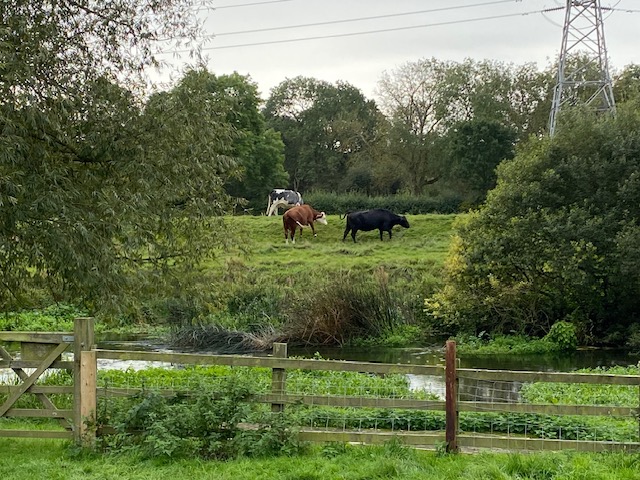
(333, 203)
(557, 239)
(206, 423)
(343, 309)
(563, 335)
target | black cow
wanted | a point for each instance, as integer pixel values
(281, 197)
(367, 220)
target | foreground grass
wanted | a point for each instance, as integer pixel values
(52, 459)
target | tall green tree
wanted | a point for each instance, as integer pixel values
(414, 98)
(425, 99)
(258, 150)
(476, 148)
(557, 237)
(517, 96)
(626, 84)
(325, 128)
(100, 195)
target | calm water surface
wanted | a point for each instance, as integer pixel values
(478, 390)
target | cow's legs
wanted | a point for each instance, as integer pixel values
(274, 207)
(346, 232)
(290, 234)
(353, 235)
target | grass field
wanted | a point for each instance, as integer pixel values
(260, 246)
(51, 459)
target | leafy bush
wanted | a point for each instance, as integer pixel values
(556, 239)
(206, 424)
(563, 334)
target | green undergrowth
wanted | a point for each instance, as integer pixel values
(561, 338)
(54, 318)
(584, 393)
(397, 386)
(262, 284)
(60, 318)
(311, 382)
(504, 344)
(173, 402)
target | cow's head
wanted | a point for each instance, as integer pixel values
(404, 222)
(321, 218)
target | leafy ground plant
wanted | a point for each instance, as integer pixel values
(203, 424)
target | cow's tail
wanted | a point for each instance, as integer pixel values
(342, 217)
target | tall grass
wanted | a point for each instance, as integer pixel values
(322, 290)
(343, 309)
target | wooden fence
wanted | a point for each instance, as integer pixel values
(85, 393)
(40, 352)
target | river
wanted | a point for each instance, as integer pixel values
(432, 355)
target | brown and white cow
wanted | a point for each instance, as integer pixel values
(299, 217)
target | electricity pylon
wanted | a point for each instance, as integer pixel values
(582, 79)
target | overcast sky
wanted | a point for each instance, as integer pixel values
(327, 40)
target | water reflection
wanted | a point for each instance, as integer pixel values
(567, 362)
(477, 390)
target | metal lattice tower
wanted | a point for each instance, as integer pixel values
(584, 79)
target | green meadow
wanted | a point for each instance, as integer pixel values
(259, 245)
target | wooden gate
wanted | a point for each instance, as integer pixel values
(38, 353)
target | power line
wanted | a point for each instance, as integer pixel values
(360, 19)
(370, 32)
(250, 4)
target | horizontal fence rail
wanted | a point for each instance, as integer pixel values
(271, 362)
(549, 377)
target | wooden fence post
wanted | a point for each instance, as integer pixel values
(451, 397)
(88, 397)
(278, 376)
(82, 342)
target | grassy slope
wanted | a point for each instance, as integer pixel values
(30, 459)
(421, 248)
